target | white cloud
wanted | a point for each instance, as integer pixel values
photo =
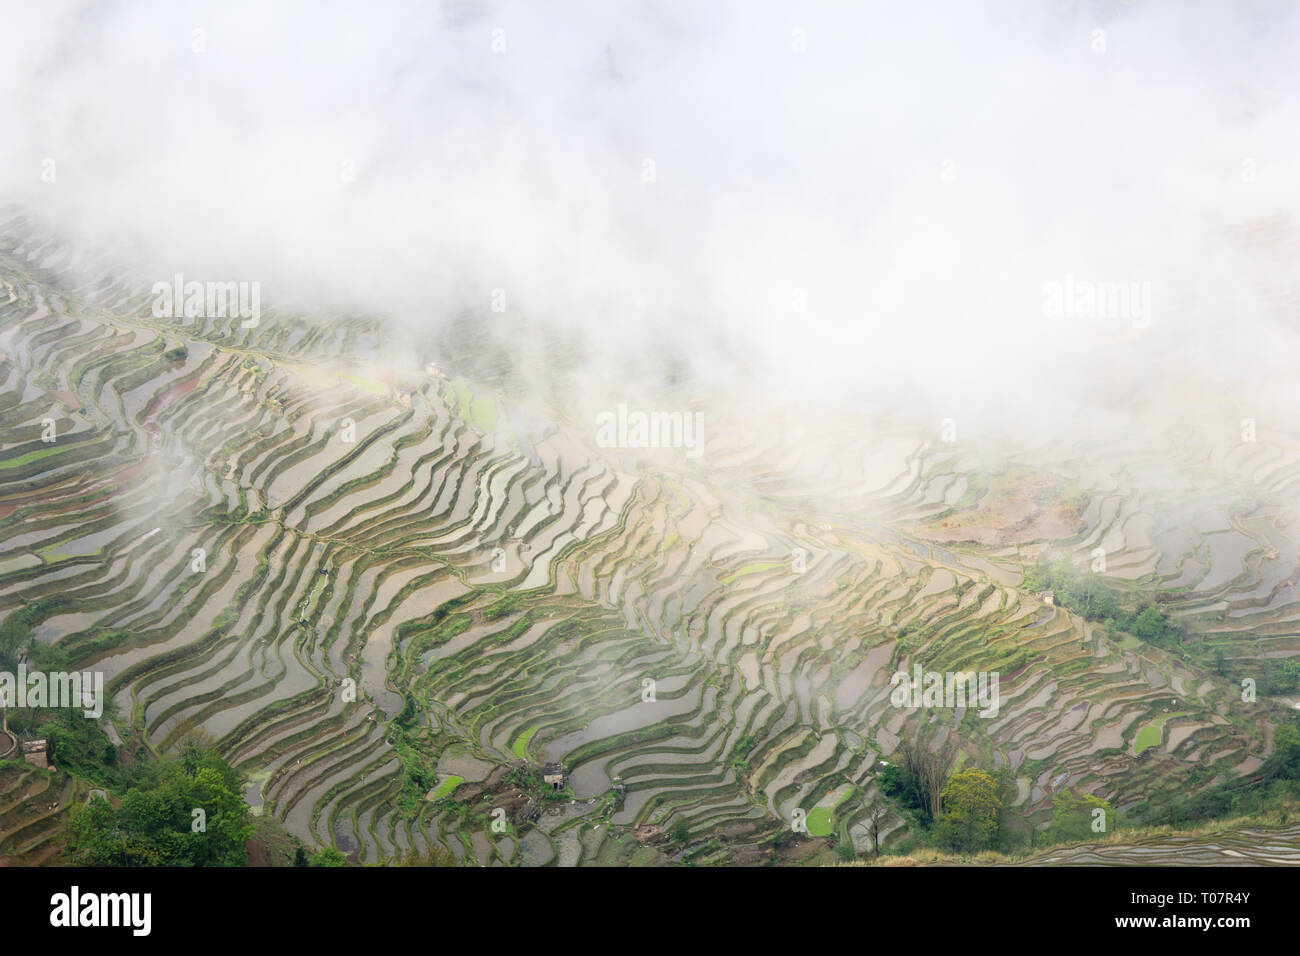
(778, 175)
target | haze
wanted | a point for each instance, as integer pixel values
(846, 202)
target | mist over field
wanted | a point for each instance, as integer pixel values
(805, 204)
(650, 433)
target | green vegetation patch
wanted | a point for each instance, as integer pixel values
(1152, 733)
(821, 816)
(520, 746)
(31, 456)
(447, 787)
(186, 811)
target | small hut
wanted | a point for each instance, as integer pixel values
(553, 776)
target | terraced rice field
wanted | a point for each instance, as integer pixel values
(1245, 846)
(238, 525)
(34, 805)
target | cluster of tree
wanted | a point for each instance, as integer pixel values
(182, 811)
(1280, 676)
(973, 814)
(1079, 816)
(922, 771)
(1093, 598)
(76, 744)
(972, 810)
(326, 857)
(330, 857)
(917, 782)
(1088, 595)
(1153, 625)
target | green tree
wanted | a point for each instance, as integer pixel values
(1074, 817)
(1153, 625)
(328, 857)
(1285, 762)
(1150, 624)
(1220, 664)
(159, 822)
(438, 856)
(968, 818)
(1280, 676)
(94, 835)
(897, 785)
(1011, 825)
